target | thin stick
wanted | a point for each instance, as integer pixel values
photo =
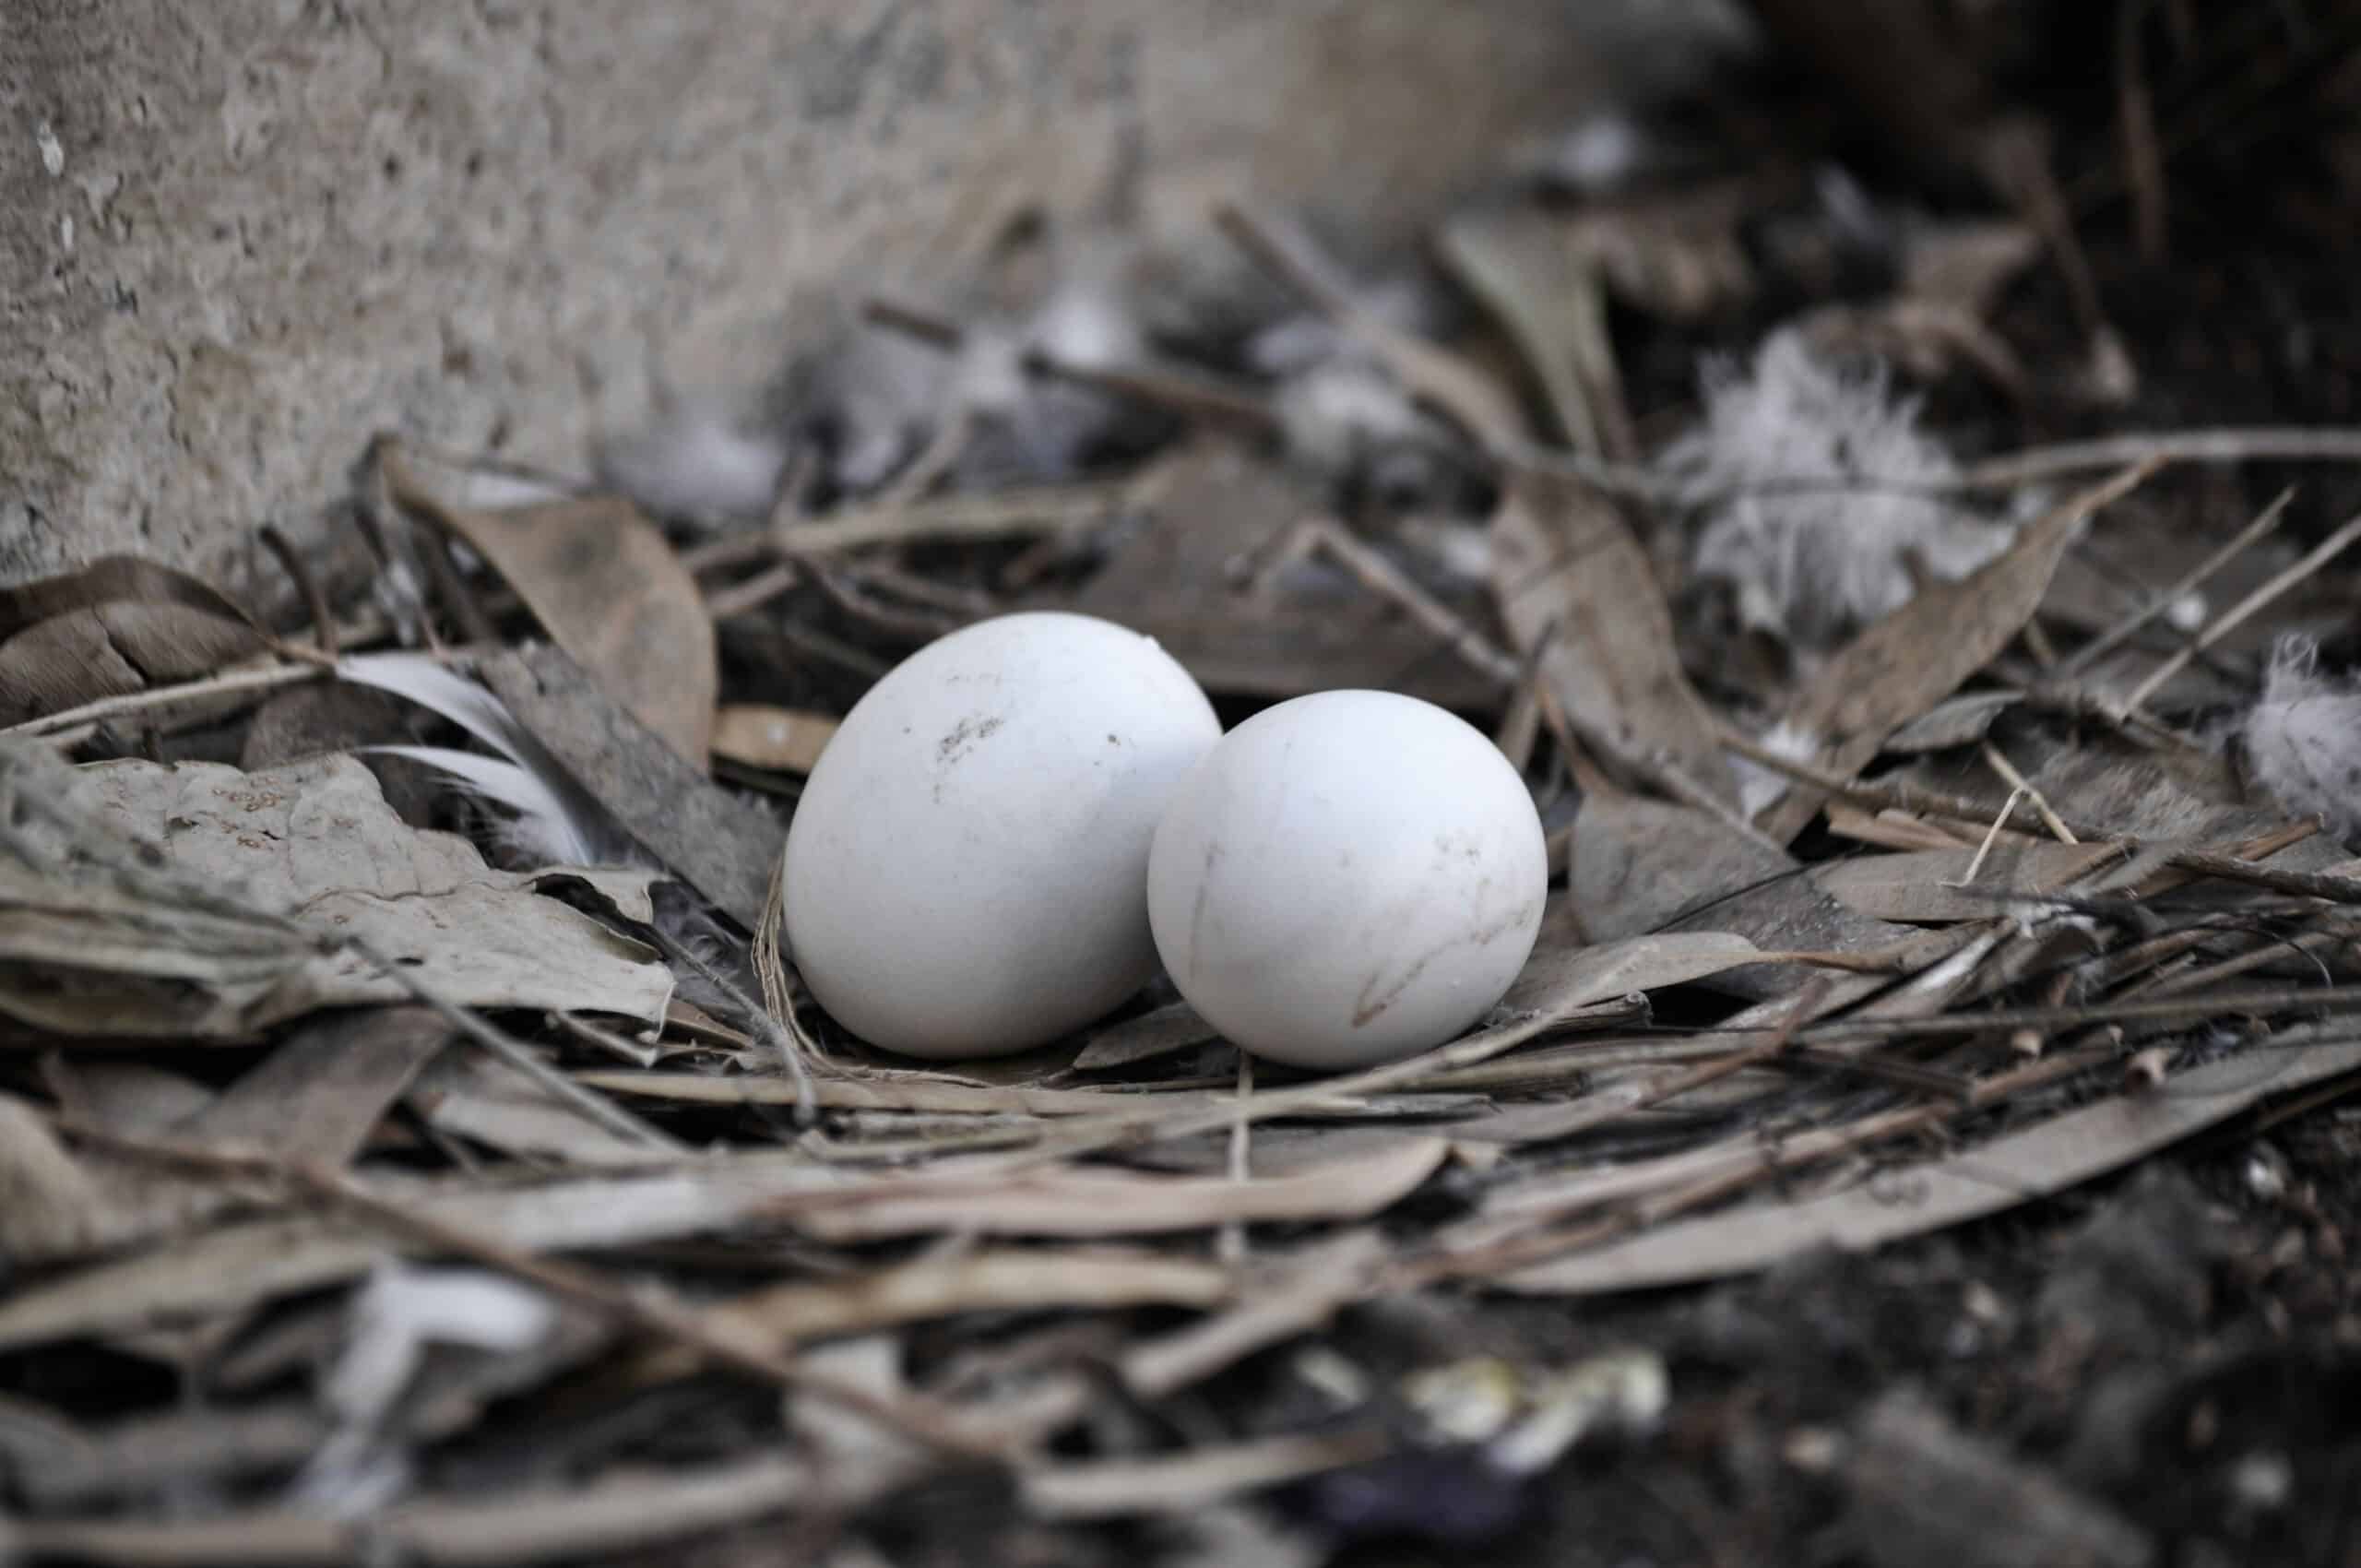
(2196, 578)
(1926, 802)
(591, 1103)
(1380, 575)
(2228, 444)
(753, 593)
(298, 571)
(636, 1308)
(2238, 614)
(1231, 1244)
(1991, 834)
(2015, 781)
(269, 678)
(1008, 514)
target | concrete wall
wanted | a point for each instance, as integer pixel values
(238, 236)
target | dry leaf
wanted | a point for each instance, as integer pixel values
(1926, 887)
(1171, 580)
(1003, 1281)
(1986, 1179)
(320, 1094)
(1897, 668)
(1080, 1201)
(1549, 296)
(1563, 974)
(722, 847)
(608, 589)
(1572, 581)
(789, 740)
(1175, 1026)
(315, 843)
(487, 1101)
(226, 1269)
(111, 649)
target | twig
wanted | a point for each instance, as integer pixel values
(1928, 802)
(2015, 781)
(1991, 836)
(754, 592)
(636, 1308)
(1232, 1243)
(2144, 160)
(267, 679)
(2196, 578)
(595, 1106)
(1005, 515)
(1380, 575)
(2236, 615)
(2219, 445)
(298, 571)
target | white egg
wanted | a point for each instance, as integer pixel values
(967, 871)
(1347, 879)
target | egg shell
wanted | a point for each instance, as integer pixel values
(965, 874)
(1347, 879)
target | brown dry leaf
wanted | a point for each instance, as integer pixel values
(1172, 581)
(112, 579)
(1564, 973)
(1182, 1483)
(608, 589)
(233, 1267)
(1926, 887)
(789, 740)
(487, 1101)
(317, 1098)
(55, 1206)
(1642, 866)
(111, 649)
(1002, 1281)
(722, 847)
(1169, 1028)
(315, 843)
(1078, 1200)
(1547, 294)
(1986, 1179)
(1899, 668)
(1571, 581)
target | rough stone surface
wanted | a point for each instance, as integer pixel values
(239, 236)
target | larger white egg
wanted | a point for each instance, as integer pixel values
(1347, 879)
(967, 871)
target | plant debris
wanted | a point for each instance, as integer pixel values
(417, 1142)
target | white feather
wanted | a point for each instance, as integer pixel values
(699, 461)
(557, 821)
(2303, 740)
(1813, 566)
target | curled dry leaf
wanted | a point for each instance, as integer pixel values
(316, 844)
(1573, 584)
(118, 625)
(1900, 667)
(606, 586)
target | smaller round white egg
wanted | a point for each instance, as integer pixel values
(1347, 879)
(966, 873)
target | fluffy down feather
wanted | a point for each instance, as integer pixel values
(2303, 740)
(1812, 566)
